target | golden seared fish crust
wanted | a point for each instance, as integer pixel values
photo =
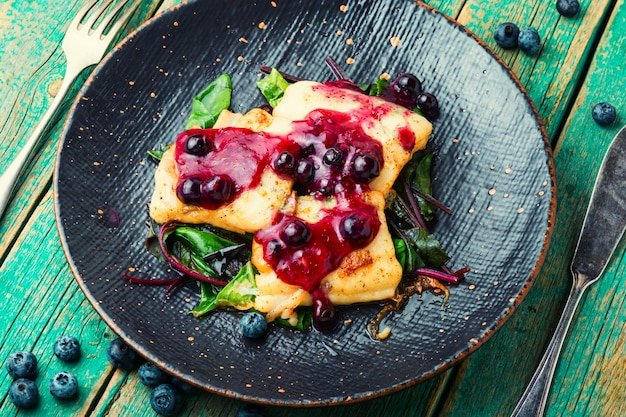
(369, 274)
(251, 211)
(380, 119)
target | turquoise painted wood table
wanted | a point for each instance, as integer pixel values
(582, 61)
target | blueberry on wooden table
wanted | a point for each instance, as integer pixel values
(253, 325)
(165, 400)
(529, 41)
(67, 348)
(567, 8)
(506, 35)
(121, 355)
(604, 113)
(21, 364)
(63, 385)
(151, 375)
(24, 393)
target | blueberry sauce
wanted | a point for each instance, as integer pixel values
(305, 254)
(216, 165)
(328, 154)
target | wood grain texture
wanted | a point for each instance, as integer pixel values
(41, 301)
(31, 69)
(551, 76)
(589, 356)
(587, 381)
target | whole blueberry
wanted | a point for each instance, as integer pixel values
(251, 410)
(24, 393)
(63, 385)
(567, 8)
(604, 113)
(253, 325)
(67, 348)
(121, 355)
(506, 35)
(529, 41)
(165, 400)
(21, 364)
(429, 106)
(151, 375)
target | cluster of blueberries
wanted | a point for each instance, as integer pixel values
(166, 391)
(22, 367)
(508, 35)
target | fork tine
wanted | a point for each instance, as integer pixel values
(119, 22)
(82, 13)
(96, 14)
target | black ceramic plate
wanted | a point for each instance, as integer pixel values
(493, 167)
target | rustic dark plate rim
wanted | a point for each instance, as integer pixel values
(331, 400)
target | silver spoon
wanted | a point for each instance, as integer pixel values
(602, 230)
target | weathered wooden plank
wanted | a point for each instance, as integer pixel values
(550, 77)
(601, 355)
(41, 295)
(589, 378)
(30, 34)
(123, 392)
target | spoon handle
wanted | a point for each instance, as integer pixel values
(533, 401)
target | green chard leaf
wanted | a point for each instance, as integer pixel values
(417, 173)
(239, 293)
(273, 87)
(157, 154)
(407, 255)
(428, 247)
(208, 105)
(376, 88)
(201, 242)
(305, 319)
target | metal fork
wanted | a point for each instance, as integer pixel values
(84, 44)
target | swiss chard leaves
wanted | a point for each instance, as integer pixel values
(208, 105)
(417, 174)
(407, 255)
(428, 247)
(377, 88)
(273, 87)
(239, 293)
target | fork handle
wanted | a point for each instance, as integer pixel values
(9, 178)
(533, 401)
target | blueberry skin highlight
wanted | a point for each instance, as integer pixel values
(165, 400)
(604, 113)
(506, 35)
(24, 393)
(67, 348)
(63, 385)
(567, 8)
(529, 41)
(21, 364)
(253, 325)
